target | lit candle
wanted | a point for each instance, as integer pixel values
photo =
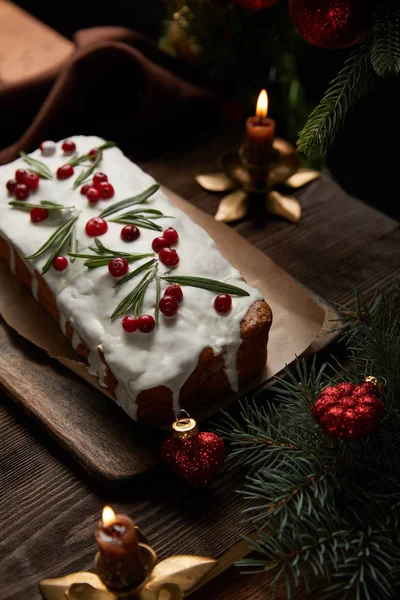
(120, 564)
(260, 131)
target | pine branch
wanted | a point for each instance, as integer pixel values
(327, 511)
(354, 81)
(385, 51)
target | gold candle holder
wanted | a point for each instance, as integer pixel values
(176, 575)
(254, 186)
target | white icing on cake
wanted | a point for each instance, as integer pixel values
(86, 298)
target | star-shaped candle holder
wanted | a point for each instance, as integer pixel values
(255, 190)
(171, 578)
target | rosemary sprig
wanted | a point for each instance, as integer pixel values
(55, 237)
(158, 296)
(37, 166)
(73, 244)
(144, 267)
(76, 160)
(58, 246)
(206, 284)
(100, 248)
(135, 297)
(87, 173)
(43, 204)
(137, 220)
(138, 199)
(93, 262)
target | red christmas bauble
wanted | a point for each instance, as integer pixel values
(349, 411)
(256, 4)
(197, 457)
(331, 24)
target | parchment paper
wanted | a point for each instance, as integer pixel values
(297, 318)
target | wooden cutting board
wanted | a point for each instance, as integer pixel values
(94, 430)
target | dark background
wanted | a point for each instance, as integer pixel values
(364, 157)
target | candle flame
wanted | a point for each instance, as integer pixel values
(262, 104)
(108, 516)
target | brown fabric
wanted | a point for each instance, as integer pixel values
(118, 85)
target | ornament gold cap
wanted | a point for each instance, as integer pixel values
(184, 427)
(378, 385)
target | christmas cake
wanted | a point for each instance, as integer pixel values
(162, 318)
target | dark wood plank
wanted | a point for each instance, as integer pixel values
(48, 507)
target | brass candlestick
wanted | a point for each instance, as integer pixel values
(253, 186)
(176, 575)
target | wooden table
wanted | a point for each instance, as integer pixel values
(48, 506)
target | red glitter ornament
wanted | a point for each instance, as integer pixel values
(331, 24)
(192, 455)
(349, 411)
(256, 4)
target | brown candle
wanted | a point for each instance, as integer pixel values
(120, 564)
(260, 131)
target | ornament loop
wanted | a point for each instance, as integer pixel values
(184, 427)
(184, 418)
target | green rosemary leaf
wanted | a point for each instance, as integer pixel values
(58, 246)
(131, 299)
(152, 211)
(87, 173)
(54, 237)
(158, 296)
(37, 166)
(106, 145)
(144, 223)
(145, 267)
(102, 261)
(43, 204)
(77, 160)
(92, 256)
(139, 301)
(101, 249)
(138, 199)
(73, 244)
(206, 284)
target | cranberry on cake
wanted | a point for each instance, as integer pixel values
(162, 318)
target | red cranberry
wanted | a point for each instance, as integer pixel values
(169, 257)
(175, 291)
(223, 303)
(99, 178)
(129, 324)
(118, 266)
(130, 233)
(60, 263)
(85, 188)
(21, 191)
(159, 243)
(105, 189)
(96, 226)
(68, 147)
(39, 214)
(146, 323)
(31, 180)
(65, 171)
(10, 185)
(92, 195)
(171, 236)
(19, 175)
(92, 154)
(168, 306)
